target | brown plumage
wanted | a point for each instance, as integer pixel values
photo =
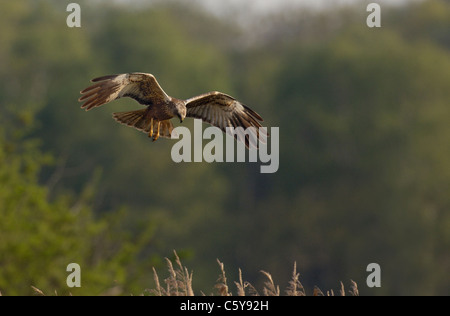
(215, 108)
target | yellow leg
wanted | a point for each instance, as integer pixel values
(150, 134)
(157, 131)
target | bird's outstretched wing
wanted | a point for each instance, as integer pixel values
(140, 86)
(221, 110)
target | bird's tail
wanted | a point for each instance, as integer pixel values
(143, 122)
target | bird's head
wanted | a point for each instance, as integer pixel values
(180, 110)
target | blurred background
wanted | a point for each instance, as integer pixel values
(364, 146)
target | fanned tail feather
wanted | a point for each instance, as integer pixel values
(141, 121)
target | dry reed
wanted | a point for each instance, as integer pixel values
(179, 283)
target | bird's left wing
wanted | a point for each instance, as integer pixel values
(140, 86)
(221, 110)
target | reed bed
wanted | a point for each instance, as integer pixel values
(179, 283)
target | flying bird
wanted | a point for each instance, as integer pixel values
(215, 108)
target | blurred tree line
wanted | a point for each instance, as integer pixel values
(364, 144)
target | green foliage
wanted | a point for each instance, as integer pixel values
(40, 237)
(367, 122)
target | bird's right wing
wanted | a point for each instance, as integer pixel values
(140, 86)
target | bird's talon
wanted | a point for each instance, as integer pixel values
(157, 131)
(150, 134)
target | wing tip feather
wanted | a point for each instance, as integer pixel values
(103, 78)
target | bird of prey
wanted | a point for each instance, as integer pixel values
(215, 108)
